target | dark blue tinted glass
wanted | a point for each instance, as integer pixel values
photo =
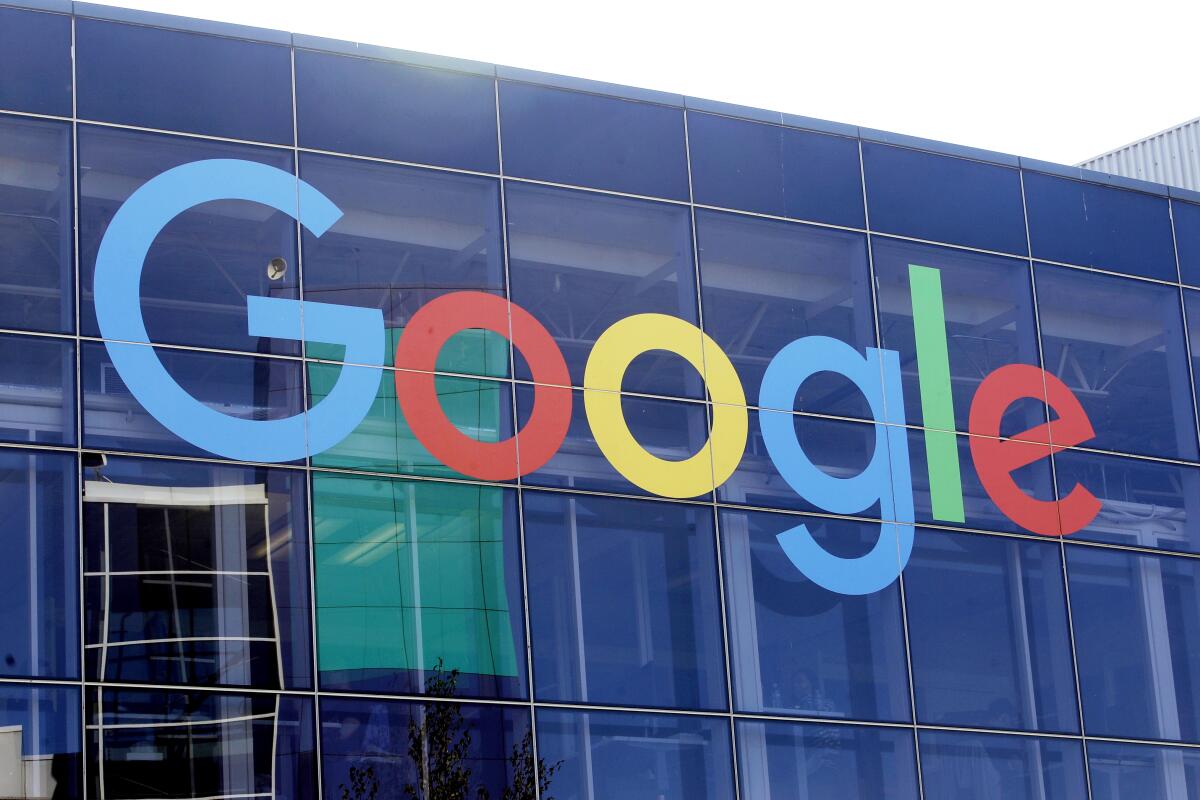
(1191, 312)
(39, 570)
(206, 261)
(37, 391)
(766, 283)
(159, 743)
(184, 81)
(196, 574)
(589, 140)
(1143, 503)
(987, 624)
(635, 755)
(35, 60)
(944, 199)
(1099, 226)
(979, 511)
(770, 169)
(1138, 771)
(373, 108)
(1135, 619)
(623, 603)
(415, 580)
(36, 240)
(988, 307)
(1187, 240)
(787, 759)
(580, 262)
(368, 748)
(838, 447)
(1119, 345)
(798, 649)
(405, 237)
(240, 386)
(670, 429)
(42, 733)
(966, 766)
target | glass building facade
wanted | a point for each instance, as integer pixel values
(371, 622)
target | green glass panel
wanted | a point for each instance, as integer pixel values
(410, 572)
(470, 352)
(383, 442)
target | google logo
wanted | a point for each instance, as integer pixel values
(886, 480)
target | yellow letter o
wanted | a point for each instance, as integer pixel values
(612, 354)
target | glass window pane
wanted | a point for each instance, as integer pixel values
(196, 574)
(987, 624)
(775, 170)
(1191, 312)
(1187, 240)
(206, 261)
(471, 751)
(1119, 345)
(1135, 618)
(669, 429)
(637, 756)
(239, 386)
(1144, 503)
(767, 283)
(384, 442)
(623, 603)
(978, 766)
(944, 199)
(988, 308)
(793, 760)
(1099, 226)
(36, 240)
(41, 728)
(156, 743)
(35, 60)
(413, 574)
(37, 392)
(580, 262)
(39, 566)
(185, 81)
(1123, 771)
(589, 140)
(797, 649)
(406, 236)
(396, 111)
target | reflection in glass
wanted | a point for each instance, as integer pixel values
(1136, 620)
(1143, 503)
(156, 743)
(411, 575)
(786, 761)
(406, 236)
(39, 570)
(623, 603)
(797, 649)
(636, 756)
(1136, 771)
(1118, 344)
(766, 283)
(40, 742)
(988, 306)
(987, 625)
(196, 574)
(384, 442)
(978, 766)
(580, 262)
(239, 386)
(466, 751)
(37, 390)
(206, 261)
(36, 247)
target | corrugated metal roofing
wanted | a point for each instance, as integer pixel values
(1171, 156)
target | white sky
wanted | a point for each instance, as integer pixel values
(1060, 80)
